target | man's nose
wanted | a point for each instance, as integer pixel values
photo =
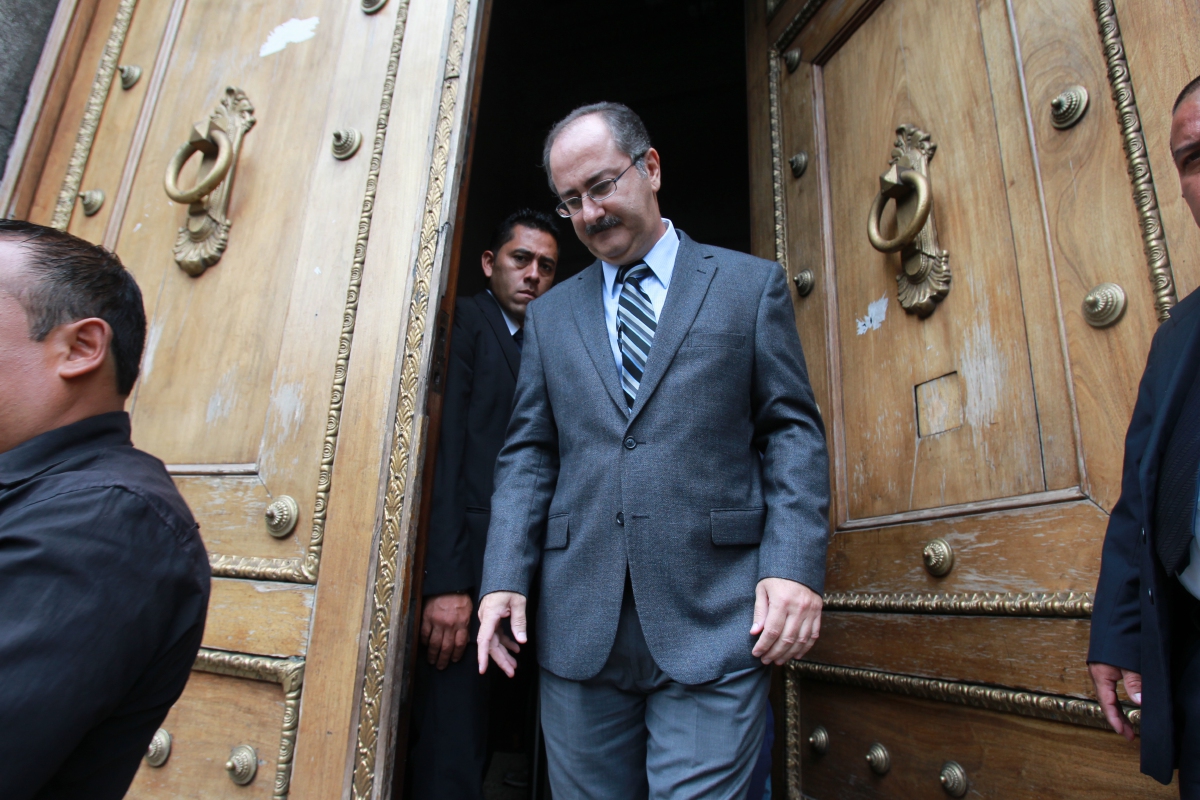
(530, 273)
(592, 210)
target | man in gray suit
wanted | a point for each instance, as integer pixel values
(665, 466)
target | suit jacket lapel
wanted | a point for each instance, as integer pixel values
(589, 317)
(689, 284)
(495, 317)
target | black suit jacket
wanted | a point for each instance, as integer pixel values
(481, 377)
(104, 586)
(1131, 619)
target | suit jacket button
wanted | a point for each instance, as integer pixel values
(1143, 535)
(621, 518)
(630, 443)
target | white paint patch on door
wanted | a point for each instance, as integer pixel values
(293, 31)
(876, 314)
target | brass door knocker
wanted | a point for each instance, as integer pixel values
(924, 280)
(202, 240)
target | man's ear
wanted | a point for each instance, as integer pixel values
(489, 262)
(653, 169)
(83, 346)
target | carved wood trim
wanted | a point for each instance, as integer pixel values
(1020, 604)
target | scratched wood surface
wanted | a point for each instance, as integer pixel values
(259, 617)
(1038, 655)
(231, 511)
(1054, 548)
(1004, 755)
(1094, 229)
(214, 715)
(893, 70)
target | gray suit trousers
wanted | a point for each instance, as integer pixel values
(632, 732)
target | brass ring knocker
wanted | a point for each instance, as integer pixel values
(920, 184)
(216, 144)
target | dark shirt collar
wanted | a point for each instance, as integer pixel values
(54, 447)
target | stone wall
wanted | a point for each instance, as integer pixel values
(23, 27)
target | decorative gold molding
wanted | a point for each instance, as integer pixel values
(1019, 604)
(1154, 243)
(806, 13)
(289, 674)
(773, 61)
(991, 698)
(791, 699)
(312, 559)
(404, 445)
(91, 115)
(258, 568)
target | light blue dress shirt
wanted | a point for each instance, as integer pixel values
(661, 260)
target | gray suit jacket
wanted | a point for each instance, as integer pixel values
(717, 479)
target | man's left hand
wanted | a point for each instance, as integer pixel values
(788, 615)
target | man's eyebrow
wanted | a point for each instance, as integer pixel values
(1185, 148)
(593, 180)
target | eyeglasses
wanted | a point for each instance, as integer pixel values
(600, 191)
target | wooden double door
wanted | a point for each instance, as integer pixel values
(976, 367)
(292, 314)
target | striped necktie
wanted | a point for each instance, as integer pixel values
(636, 324)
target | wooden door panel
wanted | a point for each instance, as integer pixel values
(215, 714)
(231, 511)
(1004, 755)
(261, 617)
(118, 121)
(1093, 228)
(912, 62)
(1053, 548)
(1039, 655)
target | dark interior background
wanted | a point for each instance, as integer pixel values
(679, 63)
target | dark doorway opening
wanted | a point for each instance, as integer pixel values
(681, 65)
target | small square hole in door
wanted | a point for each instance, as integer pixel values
(939, 405)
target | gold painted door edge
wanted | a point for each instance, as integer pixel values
(289, 674)
(1019, 604)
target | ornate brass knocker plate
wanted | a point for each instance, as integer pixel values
(202, 240)
(924, 279)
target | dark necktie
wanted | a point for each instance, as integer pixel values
(636, 323)
(1175, 503)
(519, 337)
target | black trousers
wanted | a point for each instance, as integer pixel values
(448, 751)
(1186, 677)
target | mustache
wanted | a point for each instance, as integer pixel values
(611, 221)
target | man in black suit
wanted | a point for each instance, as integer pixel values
(1146, 620)
(450, 753)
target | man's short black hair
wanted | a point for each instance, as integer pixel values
(527, 218)
(1188, 90)
(70, 280)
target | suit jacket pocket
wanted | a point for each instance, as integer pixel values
(731, 526)
(557, 532)
(702, 339)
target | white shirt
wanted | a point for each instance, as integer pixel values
(661, 260)
(1190, 577)
(513, 325)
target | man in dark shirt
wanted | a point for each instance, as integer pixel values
(104, 581)
(451, 730)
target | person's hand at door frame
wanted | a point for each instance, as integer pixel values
(1105, 677)
(445, 619)
(492, 641)
(787, 620)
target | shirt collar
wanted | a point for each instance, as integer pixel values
(49, 449)
(660, 259)
(513, 325)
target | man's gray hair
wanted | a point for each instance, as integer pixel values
(628, 131)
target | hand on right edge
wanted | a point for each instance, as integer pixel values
(1105, 676)
(494, 642)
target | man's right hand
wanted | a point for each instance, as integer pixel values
(444, 622)
(1105, 676)
(493, 641)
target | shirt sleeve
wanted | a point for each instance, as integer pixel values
(82, 613)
